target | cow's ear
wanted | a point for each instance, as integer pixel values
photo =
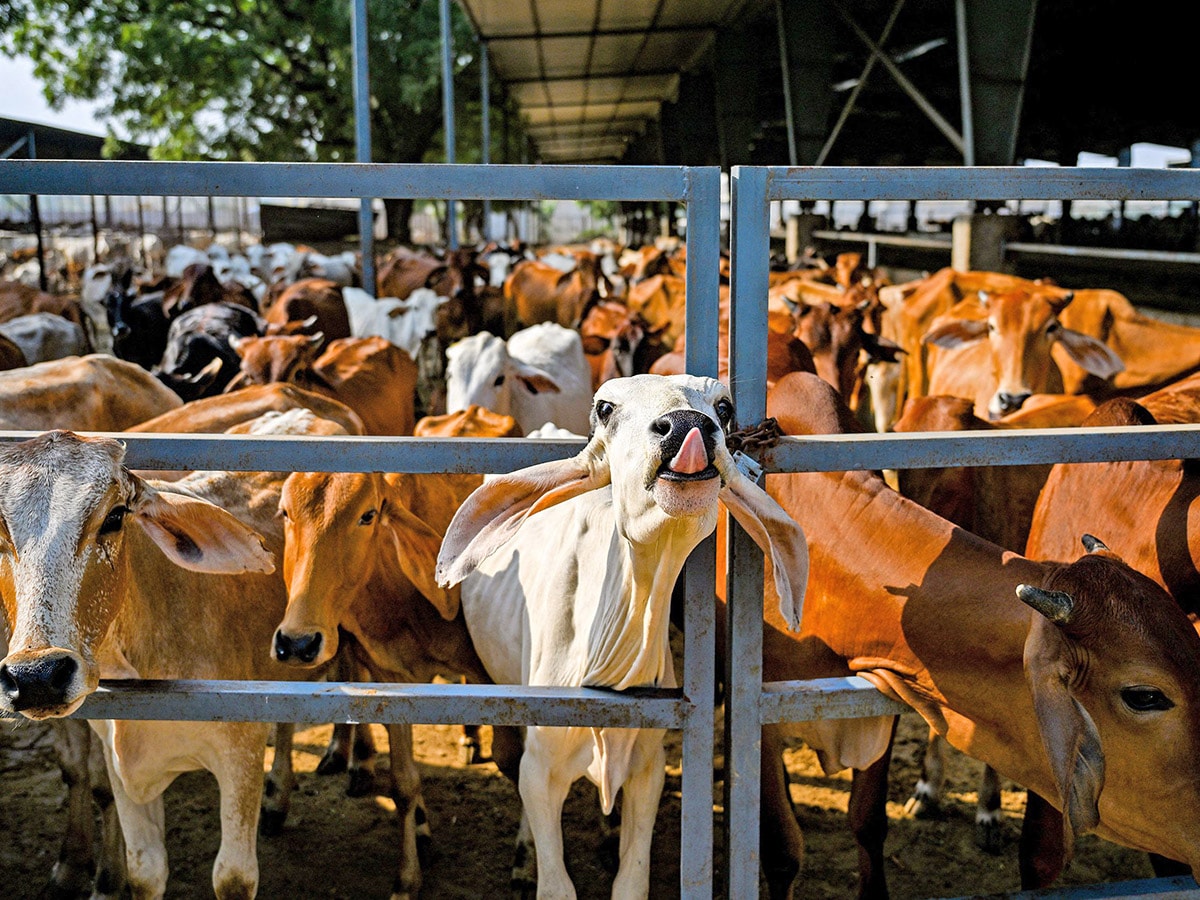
(1068, 733)
(778, 535)
(417, 547)
(496, 509)
(1090, 354)
(955, 333)
(594, 344)
(197, 535)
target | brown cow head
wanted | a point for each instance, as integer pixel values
(1021, 327)
(72, 518)
(1112, 664)
(285, 357)
(358, 520)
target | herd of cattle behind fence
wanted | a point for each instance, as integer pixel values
(1077, 678)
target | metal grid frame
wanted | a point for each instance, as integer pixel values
(749, 703)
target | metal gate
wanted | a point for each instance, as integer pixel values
(749, 703)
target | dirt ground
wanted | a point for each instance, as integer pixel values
(337, 848)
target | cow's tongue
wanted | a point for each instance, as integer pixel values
(692, 457)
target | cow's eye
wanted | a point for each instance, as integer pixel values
(368, 517)
(499, 381)
(114, 520)
(1053, 328)
(604, 411)
(725, 411)
(1145, 699)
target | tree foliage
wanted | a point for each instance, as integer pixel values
(247, 79)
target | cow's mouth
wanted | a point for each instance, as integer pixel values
(666, 473)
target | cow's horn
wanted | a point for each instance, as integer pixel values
(1054, 605)
(1092, 544)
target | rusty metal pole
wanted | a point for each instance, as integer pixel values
(35, 214)
(362, 140)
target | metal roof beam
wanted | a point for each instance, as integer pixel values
(600, 32)
(649, 73)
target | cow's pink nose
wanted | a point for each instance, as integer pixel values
(692, 457)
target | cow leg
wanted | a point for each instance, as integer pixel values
(507, 749)
(989, 835)
(781, 841)
(544, 787)
(869, 822)
(143, 826)
(361, 781)
(469, 746)
(280, 780)
(110, 870)
(337, 755)
(639, 809)
(1040, 851)
(926, 801)
(410, 807)
(239, 777)
(73, 873)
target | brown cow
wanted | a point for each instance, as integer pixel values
(474, 421)
(1015, 361)
(214, 415)
(916, 616)
(198, 286)
(538, 292)
(386, 531)
(17, 299)
(307, 298)
(611, 339)
(89, 393)
(660, 301)
(454, 277)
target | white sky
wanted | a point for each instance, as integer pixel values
(22, 99)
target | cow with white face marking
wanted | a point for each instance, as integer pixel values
(105, 573)
(627, 511)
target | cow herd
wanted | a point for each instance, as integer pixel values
(1040, 618)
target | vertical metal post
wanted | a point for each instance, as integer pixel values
(95, 230)
(743, 638)
(141, 225)
(212, 218)
(699, 660)
(964, 82)
(485, 149)
(448, 113)
(35, 215)
(362, 139)
(785, 67)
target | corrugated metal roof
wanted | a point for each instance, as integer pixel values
(588, 75)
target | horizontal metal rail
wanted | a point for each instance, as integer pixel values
(1104, 253)
(980, 183)
(824, 698)
(811, 453)
(884, 240)
(461, 181)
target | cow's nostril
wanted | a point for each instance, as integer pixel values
(661, 426)
(8, 684)
(61, 674)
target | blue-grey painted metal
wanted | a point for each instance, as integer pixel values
(1179, 887)
(362, 136)
(743, 637)
(824, 698)
(485, 122)
(432, 704)
(962, 183)
(233, 179)
(448, 112)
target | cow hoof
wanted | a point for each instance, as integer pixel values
(360, 783)
(270, 823)
(331, 764)
(989, 834)
(923, 806)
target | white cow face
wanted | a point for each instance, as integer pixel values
(67, 506)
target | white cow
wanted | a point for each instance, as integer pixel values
(44, 336)
(540, 375)
(406, 323)
(579, 594)
(181, 256)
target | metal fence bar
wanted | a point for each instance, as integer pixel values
(743, 638)
(963, 183)
(699, 658)
(472, 182)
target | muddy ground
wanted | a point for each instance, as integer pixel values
(335, 847)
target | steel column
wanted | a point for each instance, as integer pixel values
(744, 592)
(786, 70)
(362, 138)
(485, 143)
(35, 214)
(964, 82)
(448, 113)
(699, 660)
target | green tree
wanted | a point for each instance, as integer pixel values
(249, 79)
